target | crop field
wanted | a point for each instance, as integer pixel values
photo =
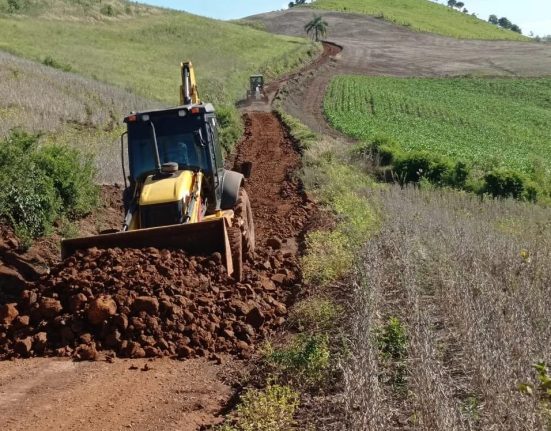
(488, 123)
(449, 321)
(423, 15)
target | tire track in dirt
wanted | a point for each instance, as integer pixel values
(279, 206)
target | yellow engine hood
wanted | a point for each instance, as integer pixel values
(165, 190)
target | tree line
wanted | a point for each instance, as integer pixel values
(504, 23)
(296, 3)
(493, 19)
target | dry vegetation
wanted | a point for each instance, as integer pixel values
(451, 314)
(87, 10)
(65, 108)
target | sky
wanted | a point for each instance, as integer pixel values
(530, 15)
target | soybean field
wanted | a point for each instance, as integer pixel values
(488, 123)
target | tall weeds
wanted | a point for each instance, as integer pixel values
(470, 280)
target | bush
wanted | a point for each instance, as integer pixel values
(108, 10)
(72, 175)
(507, 183)
(315, 314)
(413, 166)
(304, 363)
(42, 184)
(382, 150)
(51, 62)
(15, 6)
(272, 409)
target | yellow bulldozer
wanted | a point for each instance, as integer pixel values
(256, 91)
(178, 194)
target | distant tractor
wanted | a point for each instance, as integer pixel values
(256, 89)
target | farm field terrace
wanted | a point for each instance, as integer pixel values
(487, 123)
(423, 15)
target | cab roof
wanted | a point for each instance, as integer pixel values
(193, 109)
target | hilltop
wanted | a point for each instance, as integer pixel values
(423, 15)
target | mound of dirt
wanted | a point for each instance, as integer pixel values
(147, 303)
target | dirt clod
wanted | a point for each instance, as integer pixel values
(49, 307)
(8, 312)
(100, 309)
(23, 346)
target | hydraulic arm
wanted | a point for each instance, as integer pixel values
(188, 90)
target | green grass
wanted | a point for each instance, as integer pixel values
(490, 124)
(141, 52)
(78, 9)
(423, 15)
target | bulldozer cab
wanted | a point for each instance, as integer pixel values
(185, 136)
(256, 83)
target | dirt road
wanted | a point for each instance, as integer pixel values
(58, 394)
(375, 47)
(52, 393)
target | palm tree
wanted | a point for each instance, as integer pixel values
(318, 27)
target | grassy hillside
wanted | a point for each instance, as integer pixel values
(489, 124)
(142, 53)
(78, 9)
(65, 108)
(422, 15)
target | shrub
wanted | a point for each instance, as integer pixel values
(508, 183)
(413, 166)
(43, 184)
(314, 314)
(29, 202)
(51, 62)
(382, 149)
(72, 174)
(108, 10)
(305, 362)
(15, 6)
(271, 409)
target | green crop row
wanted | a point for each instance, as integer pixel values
(484, 135)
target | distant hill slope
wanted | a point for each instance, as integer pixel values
(65, 108)
(79, 9)
(423, 15)
(143, 53)
(139, 48)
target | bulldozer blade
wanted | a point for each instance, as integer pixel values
(201, 238)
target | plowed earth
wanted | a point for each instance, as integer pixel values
(105, 305)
